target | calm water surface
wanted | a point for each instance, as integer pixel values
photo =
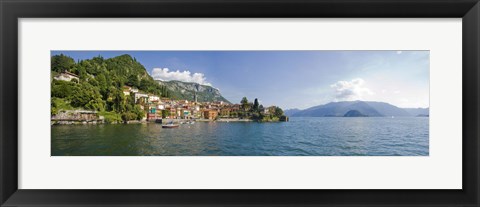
(319, 136)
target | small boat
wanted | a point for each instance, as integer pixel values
(187, 122)
(170, 125)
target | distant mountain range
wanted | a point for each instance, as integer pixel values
(418, 111)
(357, 108)
(188, 91)
(290, 112)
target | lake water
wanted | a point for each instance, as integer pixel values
(316, 136)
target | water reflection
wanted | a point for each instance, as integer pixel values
(324, 136)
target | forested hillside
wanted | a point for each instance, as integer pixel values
(100, 86)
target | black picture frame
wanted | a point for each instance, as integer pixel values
(10, 11)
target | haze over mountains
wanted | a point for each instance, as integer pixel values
(362, 108)
(417, 111)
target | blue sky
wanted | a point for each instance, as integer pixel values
(293, 79)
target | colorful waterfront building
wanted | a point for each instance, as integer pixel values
(225, 112)
(210, 114)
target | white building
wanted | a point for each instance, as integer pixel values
(66, 76)
(141, 95)
(152, 98)
(161, 107)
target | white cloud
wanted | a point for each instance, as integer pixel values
(185, 76)
(350, 90)
(399, 52)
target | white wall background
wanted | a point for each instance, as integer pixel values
(440, 170)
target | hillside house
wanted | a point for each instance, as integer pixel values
(66, 76)
(152, 98)
(141, 96)
(126, 90)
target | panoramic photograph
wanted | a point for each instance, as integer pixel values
(240, 103)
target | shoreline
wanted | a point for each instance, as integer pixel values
(94, 122)
(229, 120)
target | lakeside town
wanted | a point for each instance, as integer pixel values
(163, 109)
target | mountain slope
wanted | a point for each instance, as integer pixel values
(387, 109)
(290, 112)
(354, 113)
(417, 111)
(367, 108)
(187, 91)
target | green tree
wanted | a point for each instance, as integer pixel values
(127, 116)
(61, 63)
(93, 82)
(102, 85)
(88, 97)
(255, 105)
(244, 103)
(139, 112)
(165, 113)
(63, 89)
(133, 81)
(118, 101)
(261, 108)
(256, 116)
(82, 72)
(278, 112)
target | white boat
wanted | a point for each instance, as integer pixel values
(170, 125)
